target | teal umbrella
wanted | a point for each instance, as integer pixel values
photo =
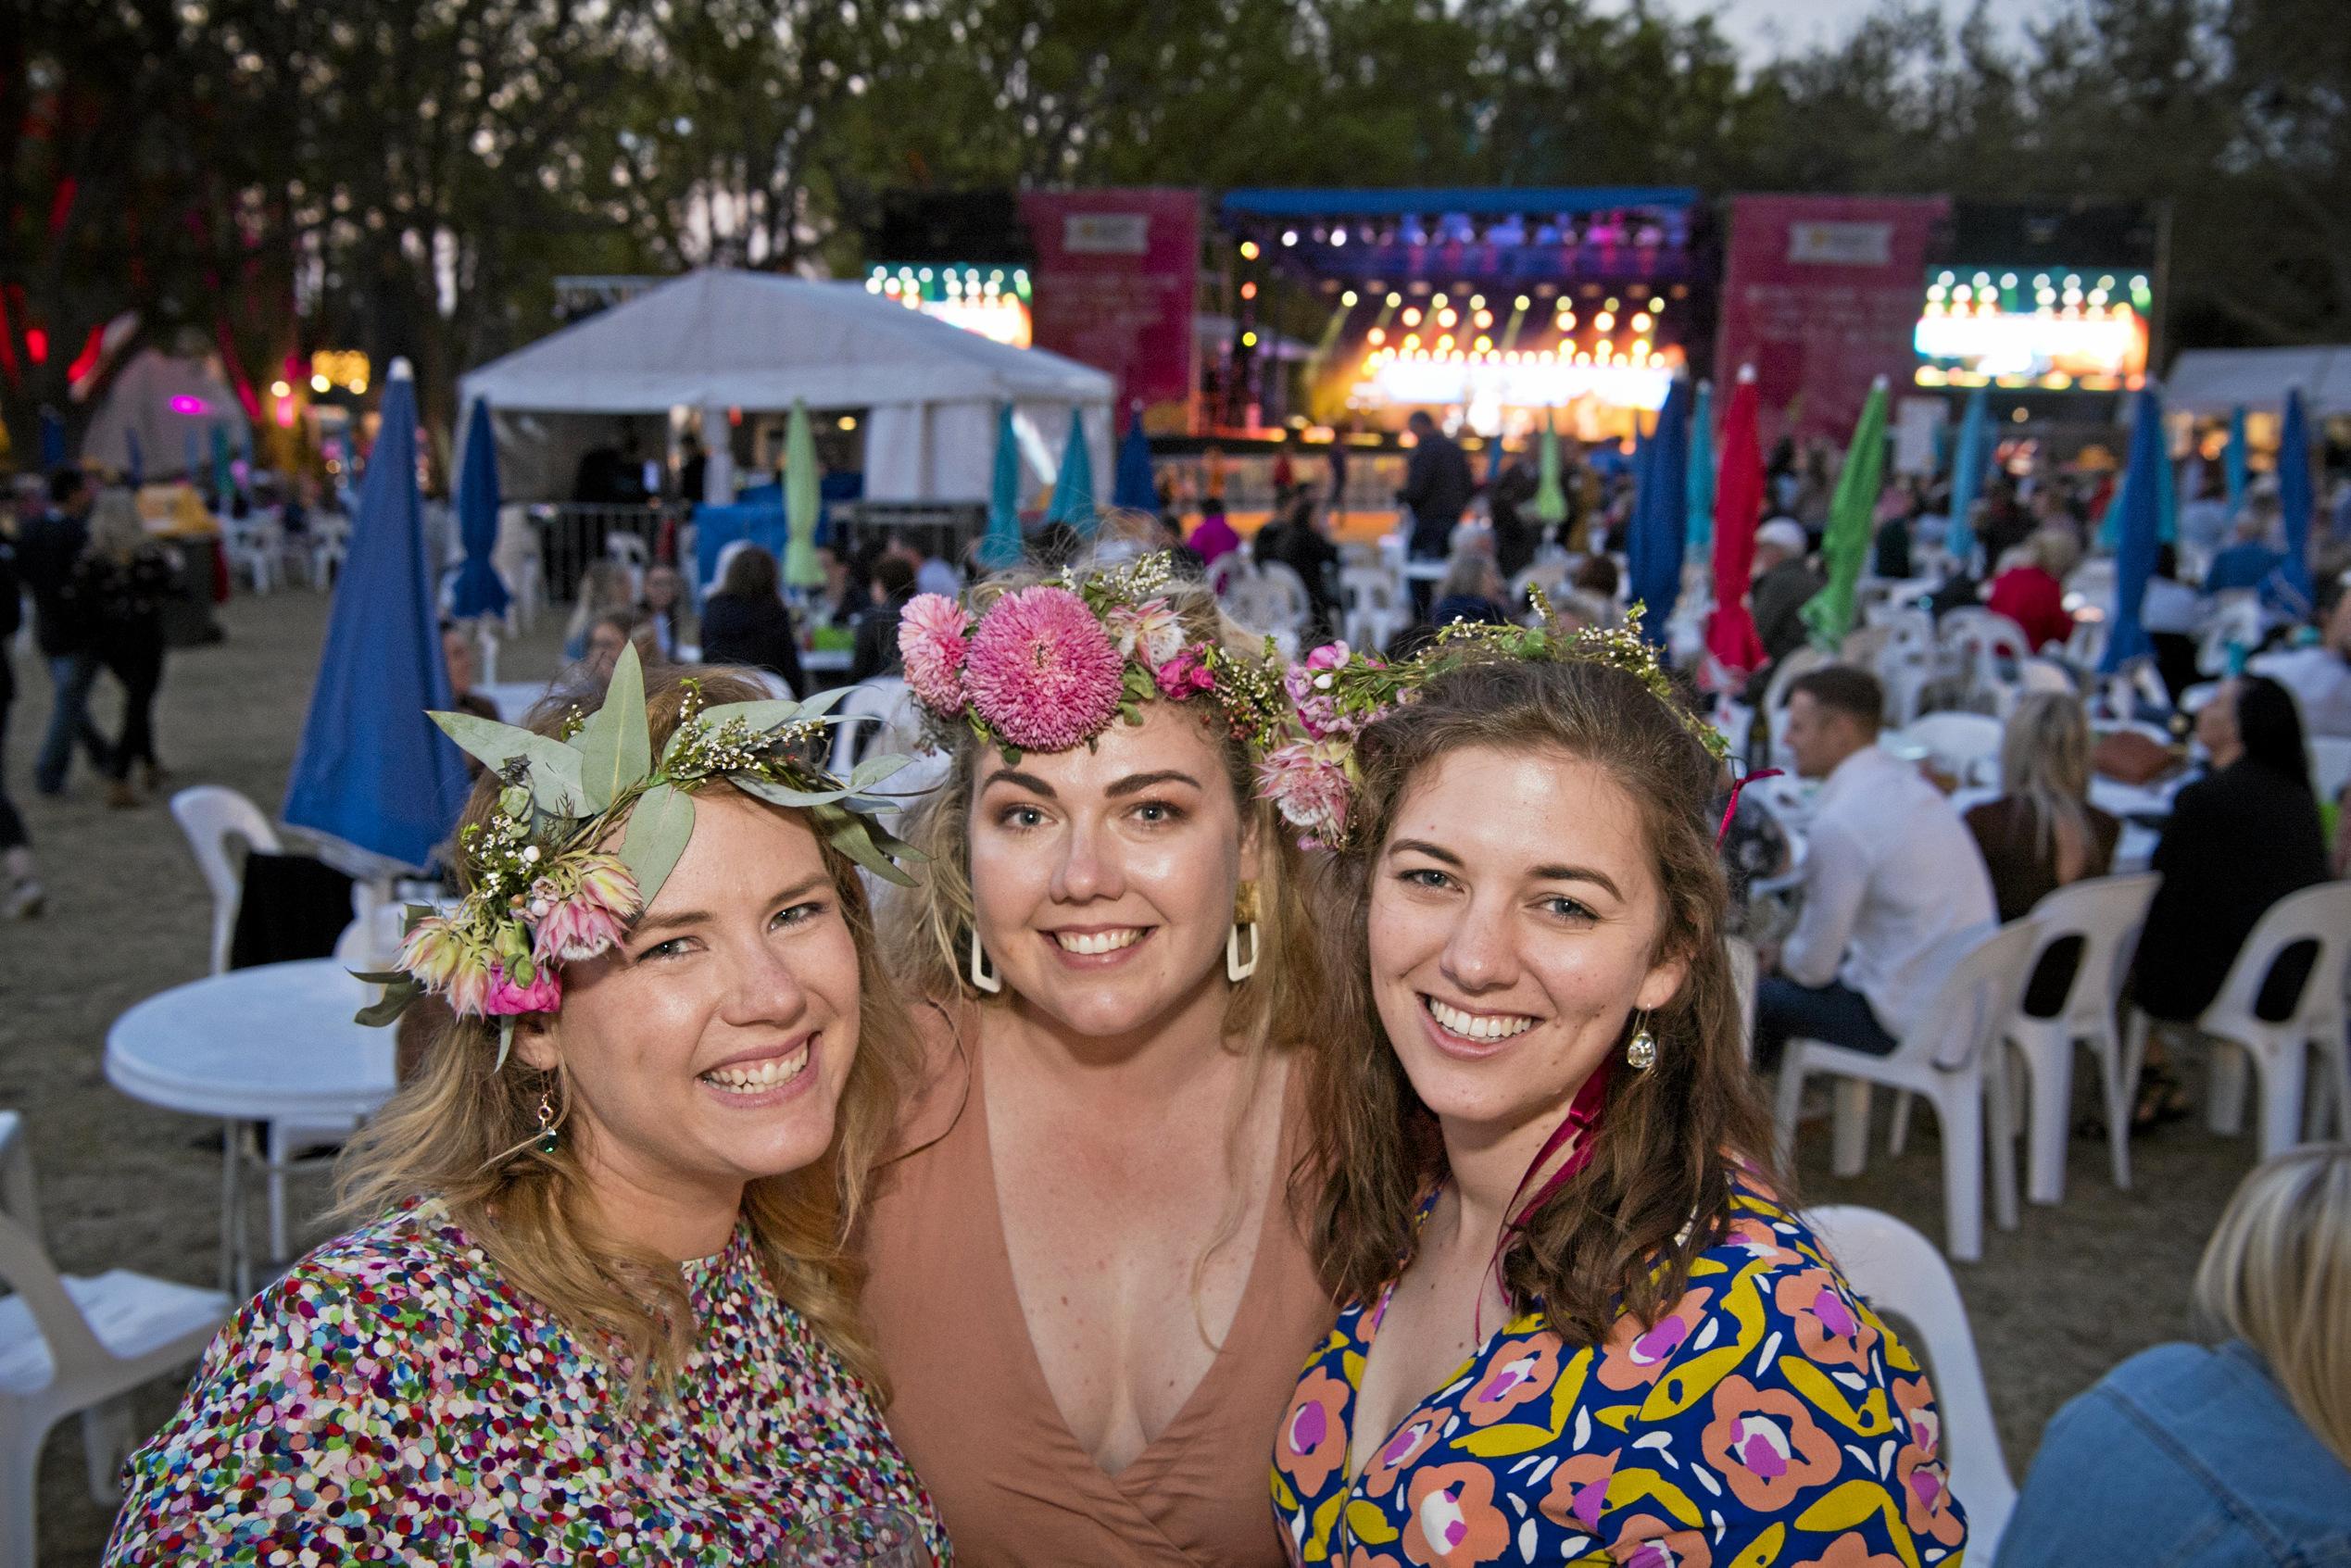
(1966, 478)
(1001, 546)
(2167, 499)
(1074, 486)
(1550, 505)
(801, 503)
(1700, 537)
(223, 485)
(2237, 460)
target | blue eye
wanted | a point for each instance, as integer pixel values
(1566, 909)
(1422, 876)
(672, 948)
(1159, 813)
(800, 914)
(1020, 817)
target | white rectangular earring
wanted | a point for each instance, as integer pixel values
(983, 977)
(1236, 971)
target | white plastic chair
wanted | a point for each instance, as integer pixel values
(1775, 702)
(2279, 1053)
(2236, 617)
(1943, 1058)
(1896, 1270)
(1288, 605)
(254, 546)
(1742, 954)
(330, 544)
(1965, 745)
(1374, 605)
(210, 816)
(70, 1344)
(1978, 643)
(2330, 766)
(895, 720)
(2107, 912)
(516, 555)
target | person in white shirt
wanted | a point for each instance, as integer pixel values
(1890, 873)
(2319, 676)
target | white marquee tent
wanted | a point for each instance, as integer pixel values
(719, 340)
(169, 406)
(2211, 382)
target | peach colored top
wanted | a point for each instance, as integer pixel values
(970, 1407)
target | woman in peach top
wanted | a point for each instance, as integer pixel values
(1087, 1282)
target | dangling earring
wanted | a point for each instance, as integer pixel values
(1640, 1052)
(1244, 919)
(548, 1137)
(983, 977)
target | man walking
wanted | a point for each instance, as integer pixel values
(46, 552)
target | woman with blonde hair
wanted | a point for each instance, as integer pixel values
(2231, 1454)
(122, 580)
(2042, 833)
(598, 1305)
(1584, 1321)
(1084, 1281)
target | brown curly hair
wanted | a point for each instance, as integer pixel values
(1669, 1142)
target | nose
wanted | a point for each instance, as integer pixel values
(1481, 953)
(1088, 868)
(764, 990)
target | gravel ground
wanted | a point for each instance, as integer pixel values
(2055, 1303)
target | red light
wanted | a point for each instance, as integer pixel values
(36, 345)
(1249, 291)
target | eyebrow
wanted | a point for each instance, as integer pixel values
(680, 919)
(1540, 873)
(1135, 783)
(1020, 780)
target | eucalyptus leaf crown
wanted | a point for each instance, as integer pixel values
(1336, 694)
(543, 891)
(1048, 667)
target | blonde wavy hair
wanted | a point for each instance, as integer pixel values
(2277, 1274)
(2044, 761)
(926, 930)
(463, 1131)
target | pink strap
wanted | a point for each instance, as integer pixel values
(1583, 1113)
(1732, 809)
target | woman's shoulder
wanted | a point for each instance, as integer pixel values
(946, 1041)
(413, 1273)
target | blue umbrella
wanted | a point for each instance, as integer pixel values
(192, 453)
(1660, 516)
(2167, 498)
(2296, 497)
(372, 771)
(2138, 533)
(223, 485)
(1074, 486)
(1131, 486)
(53, 440)
(135, 462)
(2237, 460)
(1700, 537)
(1001, 546)
(1966, 478)
(478, 589)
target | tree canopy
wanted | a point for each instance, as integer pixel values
(409, 176)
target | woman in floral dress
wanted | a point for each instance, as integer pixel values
(1595, 1336)
(600, 1310)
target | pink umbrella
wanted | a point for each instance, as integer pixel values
(1739, 492)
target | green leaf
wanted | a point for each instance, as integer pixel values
(379, 977)
(659, 826)
(396, 997)
(555, 767)
(850, 836)
(785, 795)
(823, 702)
(761, 716)
(615, 747)
(873, 770)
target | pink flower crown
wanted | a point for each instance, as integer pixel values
(1313, 780)
(1049, 667)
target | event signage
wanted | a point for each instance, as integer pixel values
(1114, 279)
(1821, 295)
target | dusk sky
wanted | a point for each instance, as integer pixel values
(1766, 27)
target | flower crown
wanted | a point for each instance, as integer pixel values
(1049, 667)
(1313, 780)
(546, 891)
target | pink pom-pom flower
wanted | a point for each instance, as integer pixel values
(502, 998)
(933, 641)
(1041, 671)
(1307, 782)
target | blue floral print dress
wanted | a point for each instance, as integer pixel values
(1767, 1421)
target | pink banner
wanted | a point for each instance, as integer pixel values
(1113, 285)
(1822, 294)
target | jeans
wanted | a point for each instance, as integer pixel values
(12, 834)
(73, 675)
(1833, 1013)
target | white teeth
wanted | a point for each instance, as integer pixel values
(754, 1076)
(1097, 941)
(1472, 1026)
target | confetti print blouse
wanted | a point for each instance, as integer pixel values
(1767, 1421)
(394, 1399)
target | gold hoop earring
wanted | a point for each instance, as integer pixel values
(1244, 919)
(983, 977)
(1640, 1052)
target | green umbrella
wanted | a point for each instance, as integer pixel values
(800, 504)
(1828, 614)
(1550, 505)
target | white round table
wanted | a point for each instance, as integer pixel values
(272, 1044)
